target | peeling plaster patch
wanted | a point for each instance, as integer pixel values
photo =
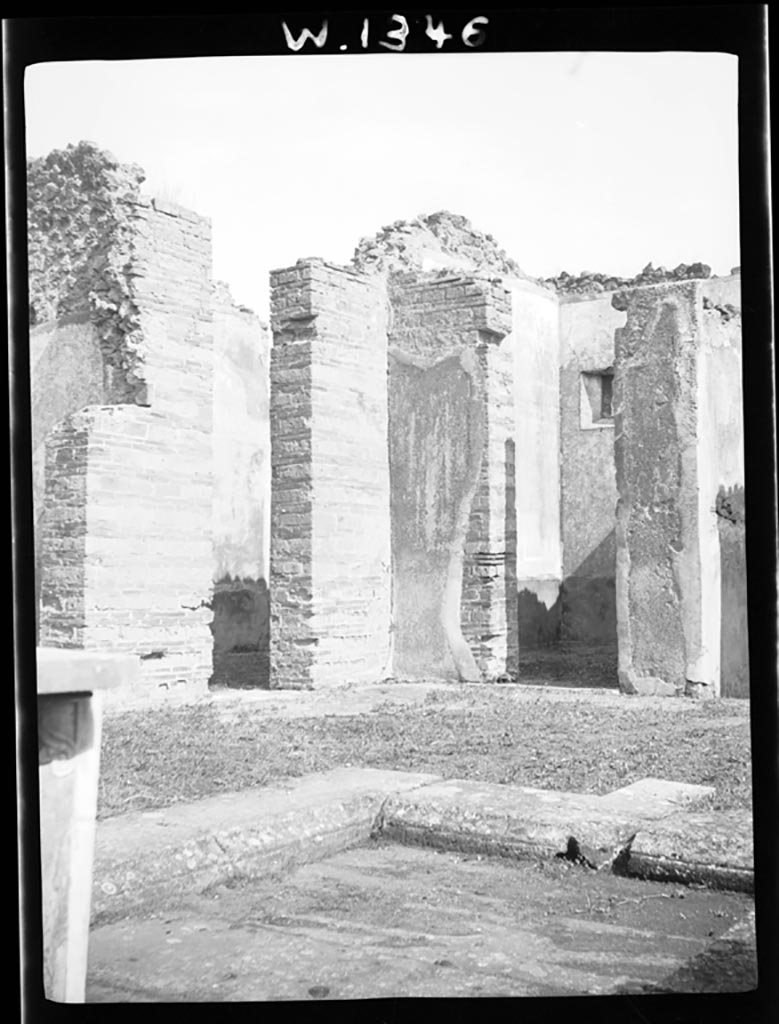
(656, 451)
(726, 312)
(730, 504)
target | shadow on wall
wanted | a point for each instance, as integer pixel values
(589, 602)
(584, 611)
(539, 626)
(574, 641)
(585, 608)
(240, 628)
(734, 639)
(548, 658)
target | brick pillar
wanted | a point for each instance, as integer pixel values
(126, 542)
(127, 281)
(330, 530)
(452, 460)
(677, 444)
(489, 598)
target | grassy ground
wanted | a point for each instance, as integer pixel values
(160, 756)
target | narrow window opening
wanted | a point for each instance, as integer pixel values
(607, 391)
(597, 398)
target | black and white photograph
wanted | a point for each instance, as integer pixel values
(394, 482)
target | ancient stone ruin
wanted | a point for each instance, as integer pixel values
(150, 430)
(438, 462)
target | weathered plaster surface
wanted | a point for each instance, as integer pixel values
(535, 343)
(680, 530)
(451, 463)
(665, 548)
(437, 439)
(588, 483)
(443, 242)
(734, 626)
(241, 509)
(241, 442)
(721, 494)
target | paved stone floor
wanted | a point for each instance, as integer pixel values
(384, 920)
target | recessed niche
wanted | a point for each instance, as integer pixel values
(596, 398)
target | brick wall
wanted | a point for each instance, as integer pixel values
(126, 555)
(433, 313)
(66, 367)
(61, 521)
(173, 290)
(330, 548)
(126, 531)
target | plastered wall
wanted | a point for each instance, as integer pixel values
(588, 495)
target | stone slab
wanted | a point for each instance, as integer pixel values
(655, 798)
(145, 855)
(715, 849)
(527, 822)
(506, 820)
(69, 670)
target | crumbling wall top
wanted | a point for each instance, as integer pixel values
(223, 299)
(82, 209)
(445, 241)
(589, 283)
(80, 205)
(435, 241)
